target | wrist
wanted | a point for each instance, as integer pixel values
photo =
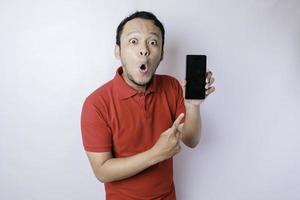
(189, 105)
(154, 156)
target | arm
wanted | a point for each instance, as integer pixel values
(108, 169)
(191, 130)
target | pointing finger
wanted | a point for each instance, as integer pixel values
(180, 127)
(178, 120)
(183, 83)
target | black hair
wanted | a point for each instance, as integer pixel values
(143, 15)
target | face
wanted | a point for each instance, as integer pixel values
(140, 51)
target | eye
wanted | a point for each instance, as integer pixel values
(153, 42)
(133, 41)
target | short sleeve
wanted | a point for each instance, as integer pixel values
(180, 106)
(96, 134)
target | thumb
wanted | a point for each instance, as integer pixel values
(179, 131)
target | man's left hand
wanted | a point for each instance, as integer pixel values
(208, 90)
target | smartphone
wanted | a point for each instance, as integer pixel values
(195, 76)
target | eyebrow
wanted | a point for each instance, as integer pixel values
(153, 33)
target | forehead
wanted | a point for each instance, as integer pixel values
(144, 26)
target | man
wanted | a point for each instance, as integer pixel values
(131, 126)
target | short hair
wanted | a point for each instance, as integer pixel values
(142, 15)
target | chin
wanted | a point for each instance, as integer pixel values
(143, 82)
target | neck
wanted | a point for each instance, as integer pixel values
(132, 84)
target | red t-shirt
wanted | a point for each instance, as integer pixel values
(120, 119)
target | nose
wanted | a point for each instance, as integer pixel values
(144, 51)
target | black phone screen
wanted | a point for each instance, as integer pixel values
(195, 76)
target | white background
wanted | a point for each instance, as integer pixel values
(54, 53)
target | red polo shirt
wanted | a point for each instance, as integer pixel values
(120, 119)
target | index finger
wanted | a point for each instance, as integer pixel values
(178, 120)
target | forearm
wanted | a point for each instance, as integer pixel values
(192, 126)
(121, 168)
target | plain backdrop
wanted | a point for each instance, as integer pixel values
(54, 53)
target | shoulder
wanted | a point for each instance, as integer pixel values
(100, 96)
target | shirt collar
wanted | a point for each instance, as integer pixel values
(125, 91)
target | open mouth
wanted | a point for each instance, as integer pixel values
(143, 68)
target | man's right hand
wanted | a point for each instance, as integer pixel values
(168, 143)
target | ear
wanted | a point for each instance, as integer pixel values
(162, 55)
(117, 52)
